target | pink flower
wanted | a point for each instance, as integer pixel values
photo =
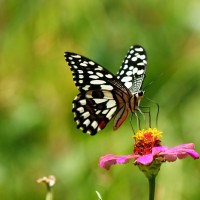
(148, 150)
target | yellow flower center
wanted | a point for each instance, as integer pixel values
(145, 140)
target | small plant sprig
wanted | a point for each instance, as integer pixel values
(49, 182)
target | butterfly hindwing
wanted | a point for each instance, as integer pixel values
(93, 110)
(132, 71)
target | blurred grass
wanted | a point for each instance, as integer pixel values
(37, 134)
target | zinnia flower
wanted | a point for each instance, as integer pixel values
(148, 151)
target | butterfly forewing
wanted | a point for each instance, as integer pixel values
(132, 71)
(101, 94)
(88, 75)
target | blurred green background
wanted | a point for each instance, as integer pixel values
(38, 136)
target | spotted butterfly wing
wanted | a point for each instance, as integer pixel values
(132, 71)
(102, 95)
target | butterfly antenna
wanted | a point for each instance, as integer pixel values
(153, 81)
(138, 120)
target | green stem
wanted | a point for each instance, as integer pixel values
(151, 187)
(49, 194)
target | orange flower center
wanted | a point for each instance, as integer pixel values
(145, 140)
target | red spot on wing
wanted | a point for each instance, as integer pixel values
(102, 124)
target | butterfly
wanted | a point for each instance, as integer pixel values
(104, 95)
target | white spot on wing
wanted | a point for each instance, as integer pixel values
(128, 84)
(139, 49)
(86, 115)
(76, 56)
(100, 100)
(86, 122)
(83, 64)
(90, 72)
(134, 59)
(121, 72)
(80, 71)
(105, 111)
(140, 72)
(111, 112)
(94, 124)
(108, 76)
(125, 66)
(91, 63)
(86, 87)
(97, 112)
(142, 57)
(126, 79)
(82, 102)
(131, 68)
(76, 97)
(135, 70)
(129, 73)
(97, 82)
(80, 109)
(107, 95)
(98, 68)
(89, 132)
(94, 76)
(106, 87)
(99, 74)
(111, 103)
(140, 64)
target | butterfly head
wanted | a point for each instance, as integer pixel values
(139, 95)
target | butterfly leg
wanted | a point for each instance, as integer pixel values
(131, 123)
(158, 109)
(148, 113)
(138, 121)
(143, 115)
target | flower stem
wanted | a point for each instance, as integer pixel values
(151, 187)
(49, 194)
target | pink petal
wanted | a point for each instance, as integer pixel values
(157, 150)
(180, 151)
(110, 159)
(145, 160)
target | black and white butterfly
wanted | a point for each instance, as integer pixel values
(103, 95)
